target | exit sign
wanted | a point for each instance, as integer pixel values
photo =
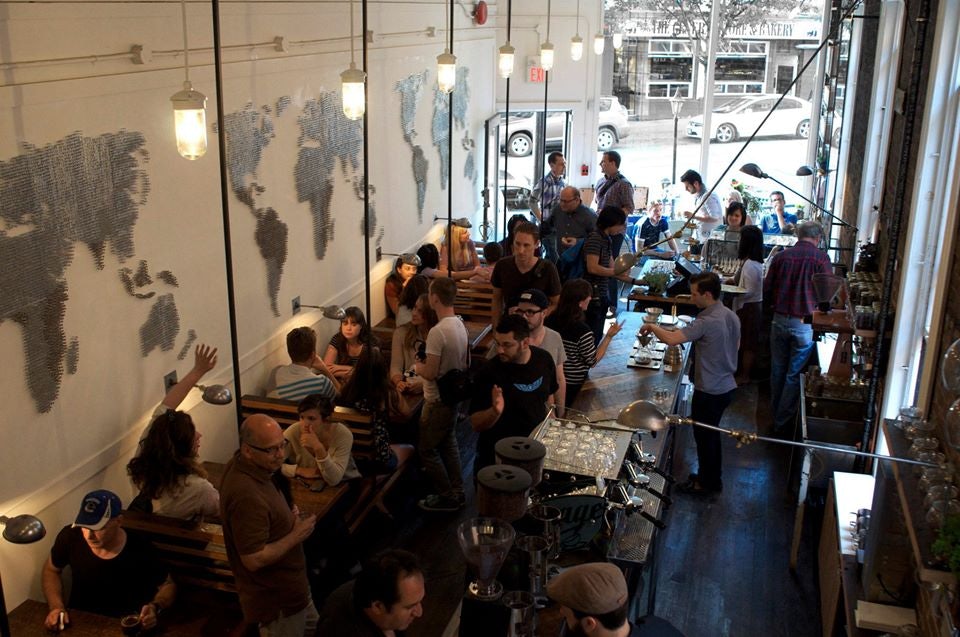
(535, 73)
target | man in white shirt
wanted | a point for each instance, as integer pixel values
(710, 214)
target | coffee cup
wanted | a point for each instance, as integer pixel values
(130, 624)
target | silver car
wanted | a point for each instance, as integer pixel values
(740, 117)
(614, 125)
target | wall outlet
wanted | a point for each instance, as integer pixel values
(295, 305)
(169, 381)
(379, 254)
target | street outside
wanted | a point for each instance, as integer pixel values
(647, 156)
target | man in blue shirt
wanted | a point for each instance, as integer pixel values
(716, 337)
(543, 198)
(778, 221)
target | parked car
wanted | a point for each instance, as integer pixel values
(740, 118)
(516, 192)
(614, 125)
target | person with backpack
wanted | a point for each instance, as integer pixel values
(571, 219)
(598, 262)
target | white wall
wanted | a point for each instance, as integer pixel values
(84, 441)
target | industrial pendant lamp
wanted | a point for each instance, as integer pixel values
(505, 60)
(618, 41)
(353, 83)
(189, 107)
(447, 63)
(576, 42)
(546, 49)
(598, 42)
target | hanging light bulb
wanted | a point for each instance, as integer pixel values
(576, 48)
(618, 41)
(598, 42)
(446, 71)
(353, 87)
(576, 42)
(353, 83)
(546, 56)
(190, 121)
(505, 61)
(189, 107)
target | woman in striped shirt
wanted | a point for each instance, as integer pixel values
(578, 343)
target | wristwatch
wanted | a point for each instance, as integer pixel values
(157, 608)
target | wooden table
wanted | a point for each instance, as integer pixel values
(182, 620)
(317, 502)
(476, 332)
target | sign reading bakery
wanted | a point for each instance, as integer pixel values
(650, 26)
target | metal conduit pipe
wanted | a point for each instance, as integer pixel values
(896, 206)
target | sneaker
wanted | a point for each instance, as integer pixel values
(439, 503)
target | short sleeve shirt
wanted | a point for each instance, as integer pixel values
(543, 276)
(448, 340)
(599, 244)
(716, 337)
(650, 232)
(114, 587)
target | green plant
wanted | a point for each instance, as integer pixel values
(656, 282)
(947, 545)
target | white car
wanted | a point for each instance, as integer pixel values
(740, 118)
(614, 125)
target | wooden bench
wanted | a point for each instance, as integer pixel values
(474, 302)
(195, 553)
(373, 489)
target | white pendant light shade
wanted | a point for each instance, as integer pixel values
(446, 71)
(598, 41)
(190, 121)
(505, 60)
(546, 56)
(576, 48)
(618, 41)
(353, 89)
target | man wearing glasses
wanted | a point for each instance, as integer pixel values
(531, 306)
(264, 536)
(778, 221)
(571, 219)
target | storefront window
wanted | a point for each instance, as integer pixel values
(671, 68)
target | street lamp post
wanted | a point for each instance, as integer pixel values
(676, 103)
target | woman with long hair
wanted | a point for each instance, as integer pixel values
(345, 346)
(578, 343)
(748, 305)
(460, 250)
(404, 270)
(407, 340)
(418, 285)
(168, 473)
(369, 390)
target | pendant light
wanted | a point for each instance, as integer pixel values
(618, 41)
(576, 42)
(447, 64)
(546, 49)
(598, 42)
(353, 83)
(189, 107)
(505, 60)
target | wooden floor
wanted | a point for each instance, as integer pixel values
(723, 562)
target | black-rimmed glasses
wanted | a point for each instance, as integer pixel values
(271, 450)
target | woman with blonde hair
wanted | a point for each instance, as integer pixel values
(465, 260)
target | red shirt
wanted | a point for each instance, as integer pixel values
(789, 281)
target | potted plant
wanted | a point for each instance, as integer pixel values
(946, 547)
(656, 282)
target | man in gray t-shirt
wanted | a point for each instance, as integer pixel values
(716, 337)
(446, 350)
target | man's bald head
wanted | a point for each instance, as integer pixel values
(569, 198)
(256, 427)
(262, 442)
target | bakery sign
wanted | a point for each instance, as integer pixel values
(659, 27)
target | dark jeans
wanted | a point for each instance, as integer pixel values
(708, 409)
(438, 448)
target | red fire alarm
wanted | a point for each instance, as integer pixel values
(584, 171)
(480, 13)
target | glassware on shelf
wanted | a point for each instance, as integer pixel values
(950, 368)
(940, 510)
(933, 476)
(921, 445)
(939, 492)
(951, 424)
(908, 416)
(919, 429)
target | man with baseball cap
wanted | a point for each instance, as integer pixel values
(593, 600)
(532, 305)
(113, 573)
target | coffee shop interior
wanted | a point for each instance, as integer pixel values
(308, 144)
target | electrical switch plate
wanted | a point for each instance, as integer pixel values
(295, 305)
(169, 381)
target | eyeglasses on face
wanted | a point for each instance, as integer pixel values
(271, 450)
(562, 200)
(517, 310)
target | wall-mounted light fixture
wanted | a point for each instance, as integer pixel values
(576, 42)
(546, 49)
(189, 107)
(353, 83)
(447, 62)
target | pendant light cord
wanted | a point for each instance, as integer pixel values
(548, 20)
(186, 48)
(578, 19)
(352, 63)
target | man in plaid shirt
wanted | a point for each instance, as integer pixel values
(545, 194)
(788, 287)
